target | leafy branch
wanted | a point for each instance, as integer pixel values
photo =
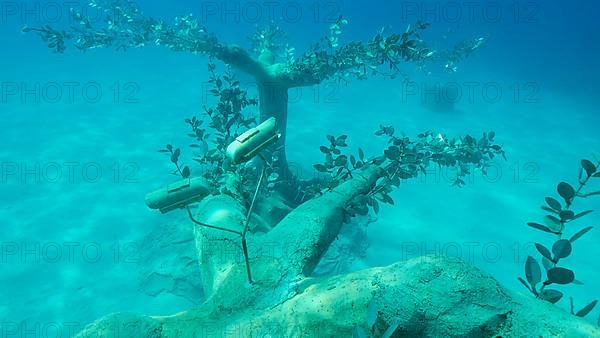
(404, 159)
(335, 163)
(182, 170)
(560, 214)
(225, 122)
(232, 101)
(381, 55)
(123, 26)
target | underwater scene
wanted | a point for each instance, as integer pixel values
(305, 168)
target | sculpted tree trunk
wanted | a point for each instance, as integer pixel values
(272, 89)
(273, 102)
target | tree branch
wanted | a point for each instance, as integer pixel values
(313, 226)
(381, 55)
(240, 59)
(124, 26)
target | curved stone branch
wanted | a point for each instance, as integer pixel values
(287, 253)
(241, 59)
(219, 252)
(309, 230)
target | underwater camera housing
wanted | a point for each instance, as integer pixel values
(177, 195)
(253, 141)
(181, 194)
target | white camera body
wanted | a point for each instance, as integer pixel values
(253, 141)
(178, 195)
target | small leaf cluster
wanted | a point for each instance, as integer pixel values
(53, 38)
(339, 167)
(335, 162)
(360, 205)
(465, 48)
(460, 52)
(197, 133)
(268, 39)
(335, 30)
(560, 213)
(174, 153)
(395, 48)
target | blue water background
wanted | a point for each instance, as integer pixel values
(544, 139)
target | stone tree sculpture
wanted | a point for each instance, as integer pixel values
(426, 296)
(272, 65)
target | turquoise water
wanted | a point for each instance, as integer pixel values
(76, 245)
